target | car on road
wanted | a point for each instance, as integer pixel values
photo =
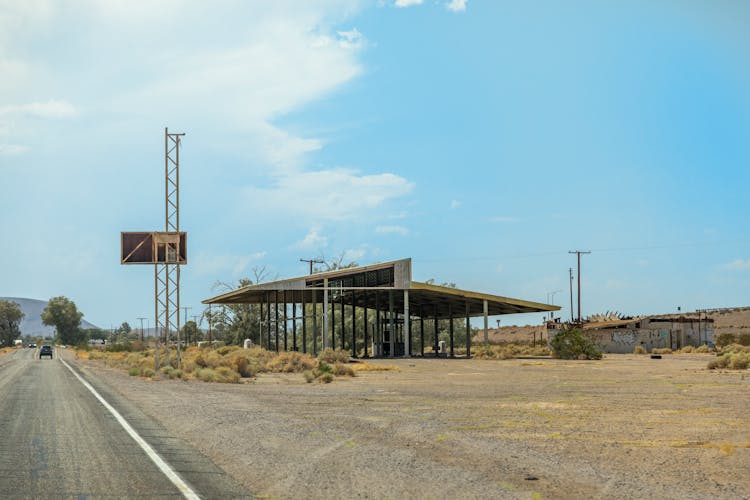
(46, 350)
(32, 346)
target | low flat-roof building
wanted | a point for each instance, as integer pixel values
(376, 299)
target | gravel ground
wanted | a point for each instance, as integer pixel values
(624, 427)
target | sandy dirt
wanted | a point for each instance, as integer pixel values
(624, 427)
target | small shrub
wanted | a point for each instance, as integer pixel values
(227, 349)
(661, 350)
(325, 378)
(206, 374)
(309, 377)
(324, 367)
(227, 375)
(639, 350)
(743, 339)
(685, 350)
(572, 344)
(703, 349)
(331, 356)
(148, 372)
(134, 371)
(291, 362)
(340, 369)
(724, 339)
(177, 373)
(731, 360)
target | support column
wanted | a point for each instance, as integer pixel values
(354, 324)
(450, 316)
(260, 326)
(315, 322)
(421, 331)
(294, 323)
(276, 317)
(407, 326)
(376, 337)
(325, 313)
(268, 326)
(286, 324)
(391, 325)
(435, 324)
(468, 331)
(343, 322)
(367, 326)
(486, 322)
(333, 324)
(304, 324)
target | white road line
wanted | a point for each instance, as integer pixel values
(163, 466)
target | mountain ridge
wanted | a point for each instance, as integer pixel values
(32, 320)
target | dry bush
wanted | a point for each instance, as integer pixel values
(509, 351)
(639, 350)
(325, 378)
(340, 370)
(291, 362)
(739, 360)
(702, 349)
(227, 349)
(330, 356)
(732, 348)
(688, 349)
(364, 366)
(661, 350)
(309, 377)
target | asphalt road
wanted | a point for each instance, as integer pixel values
(58, 441)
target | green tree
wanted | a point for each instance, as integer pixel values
(573, 344)
(124, 328)
(10, 317)
(62, 313)
(190, 332)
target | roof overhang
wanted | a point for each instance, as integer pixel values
(424, 299)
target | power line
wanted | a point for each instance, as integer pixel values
(312, 261)
(579, 253)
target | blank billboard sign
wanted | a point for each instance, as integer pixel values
(153, 248)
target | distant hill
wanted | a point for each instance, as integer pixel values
(32, 321)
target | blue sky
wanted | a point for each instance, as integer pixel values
(484, 139)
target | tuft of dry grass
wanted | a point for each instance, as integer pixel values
(661, 350)
(228, 364)
(334, 356)
(639, 350)
(509, 351)
(340, 369)
(364, 366)
(739, 360)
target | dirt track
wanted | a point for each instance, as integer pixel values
(623, 427)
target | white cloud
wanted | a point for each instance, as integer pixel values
(456, 5)
(503, 219)
(12, 149)
(407, 3)
(455, 204)
(313, 240)
(327, 194)
(351, 39)
(738, 265)
(49, 109)
(392, 230)
(209, 264)
(354, 254)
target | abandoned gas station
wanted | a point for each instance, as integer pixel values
(392, 311)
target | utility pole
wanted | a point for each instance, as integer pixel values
(551, 300)
(141, 328)
(570, 270)
(311, 262)
(579, 253)
(187, 338)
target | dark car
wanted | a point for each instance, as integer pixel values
(46, 350)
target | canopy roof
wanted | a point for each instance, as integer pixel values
(369, 286)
